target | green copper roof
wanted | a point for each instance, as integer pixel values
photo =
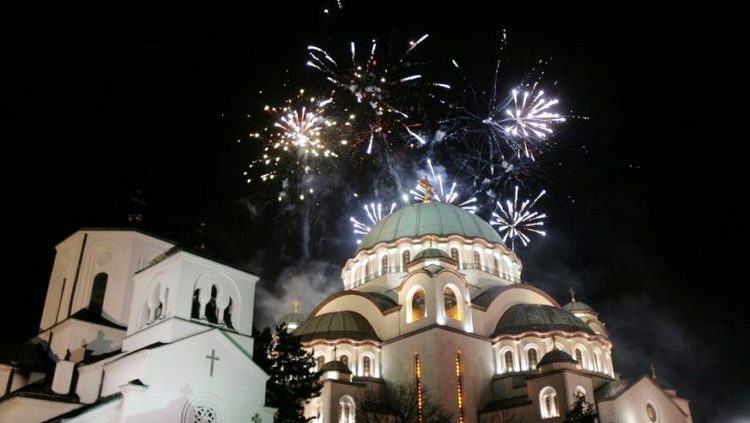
(431, 253)
(540, 318)
(423, 219)
(556, 356)
(336, 325)
(577, 306)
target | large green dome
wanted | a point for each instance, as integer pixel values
(423, 219)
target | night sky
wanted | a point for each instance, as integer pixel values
(644, 212)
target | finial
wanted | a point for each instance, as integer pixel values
(136, 215)
(426, 188)
(572, 294)
(554, 343)
(334, 353)
(295, 304)
(430, 237)
(653, 371)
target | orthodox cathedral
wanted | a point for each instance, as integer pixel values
(433, 300)
(135, 329)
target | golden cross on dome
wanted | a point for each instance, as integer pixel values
(295, 303)
(426, 188)
(653, 371)
(572, 294)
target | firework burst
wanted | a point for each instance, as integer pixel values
(375, 213)
(516, 220)
(297, 139)
(378, 93)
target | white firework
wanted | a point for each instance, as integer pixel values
(440, 195)
(518, 221)
(531, 116)
(375, 213)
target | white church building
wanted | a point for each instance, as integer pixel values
(433, 299)
(135, 329)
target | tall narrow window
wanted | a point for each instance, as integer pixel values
(451, 304)
(532, 358)
(597, 362)
(579, 358)
(496, 270)
(405, 259)
(366, 366)
(384, 265)
(211, 310)
(344, 359)
(417, 305)
(97, 293)
(459, 388)
(195, 312)
(418, 382)
(367, 271)
(346, 413)
(508, 361)
(454, 254)
(477, 260)
(319, 362)
(548, 403)
(228, 314)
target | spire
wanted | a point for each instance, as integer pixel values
(572, 295)
(135, 217)
(653, 371)
(427, 188)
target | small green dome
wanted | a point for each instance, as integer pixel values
(422, 219)
(336, 325)
(556, 356)
(335, 366)
(574, 306)
(540, 318)
(431, 253)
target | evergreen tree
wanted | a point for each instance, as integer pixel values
(582, 411)
(293, 382)
(261, 348)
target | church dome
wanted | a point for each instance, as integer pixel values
(556, 356)
(580, 306)
(336, 325)
(431, 253)
(422, 219)
(540, 318)
(335, 366)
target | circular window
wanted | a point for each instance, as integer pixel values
(204, 414)
(651, 412)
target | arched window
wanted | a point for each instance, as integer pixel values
(508, 361)
(477, 260)
(163, 305)
(450, 302)
(195, 312)
(532, 356)
(417, 306)
(319, 362)
(211, 310)
(344, 359)
(405, 259)
(548, 403)
(346, 410)
(579, 358)
(454, 254)
(366, 366)
(496, 270)
(96, 303)
(367, 271)
(597, 361)
(384, 264)
(228, 314)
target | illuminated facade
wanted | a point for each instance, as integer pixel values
(434, 300)
(134, 329)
